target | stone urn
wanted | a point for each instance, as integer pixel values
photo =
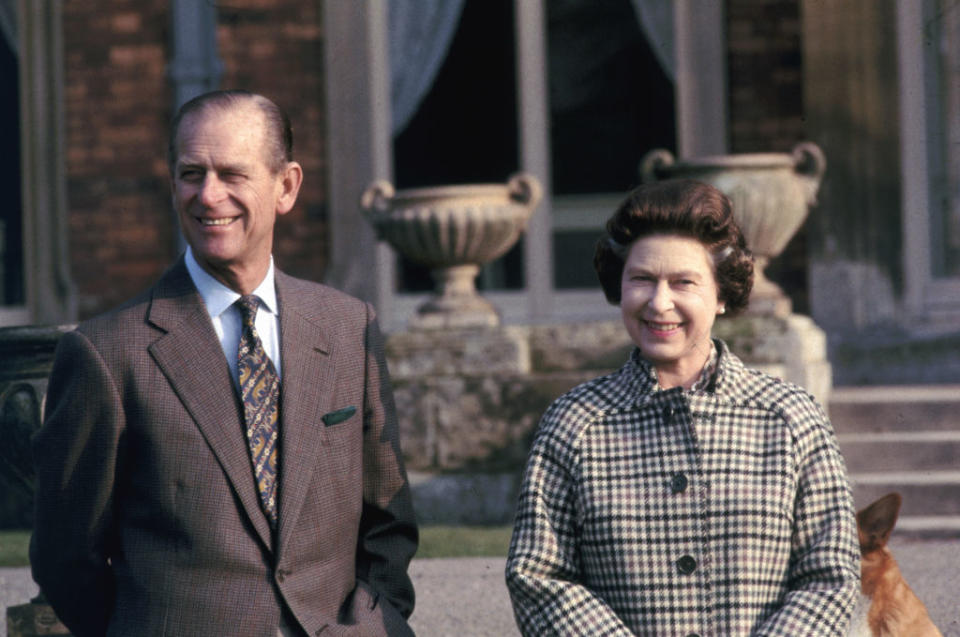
(453, 230)
(771, 194)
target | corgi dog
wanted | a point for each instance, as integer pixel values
(888, 607)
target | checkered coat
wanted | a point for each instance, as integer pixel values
(718, 512)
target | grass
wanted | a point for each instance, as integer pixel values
(13, 548)
(435, 541)
(464, 541)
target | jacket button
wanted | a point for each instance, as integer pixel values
(678, 484)
(281, 575)
(686, 564)
(694, 635)
(668, 413)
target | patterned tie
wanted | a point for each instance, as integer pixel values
(260, 391)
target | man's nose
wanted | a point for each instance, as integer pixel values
(212, 190)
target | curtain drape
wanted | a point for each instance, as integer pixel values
(420, 32)
(8, 23)
(656, 22)
(420, 35)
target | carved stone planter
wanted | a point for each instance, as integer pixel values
(453, 230)
(771, 195)
(27, 355)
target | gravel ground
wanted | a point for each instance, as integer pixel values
(467, 597)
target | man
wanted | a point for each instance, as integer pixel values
(220, 455)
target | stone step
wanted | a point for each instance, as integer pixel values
(900, 450)
(904, 439)
(925, 493)
(929, 526)
(895, 408)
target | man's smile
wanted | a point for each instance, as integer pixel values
(222, 221)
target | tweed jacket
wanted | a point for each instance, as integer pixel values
(147, 516)
(718, 512)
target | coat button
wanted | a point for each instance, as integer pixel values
(281, 575)
(668, 413)
(678, 484)
(686, 564)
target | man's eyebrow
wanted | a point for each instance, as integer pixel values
(188, 162)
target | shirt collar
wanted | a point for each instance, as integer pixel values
(218, 297)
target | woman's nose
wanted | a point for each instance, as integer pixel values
(661, 298)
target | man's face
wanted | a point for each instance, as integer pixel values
(225, 195)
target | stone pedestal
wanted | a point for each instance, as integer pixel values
(27, 355)
(791, 347)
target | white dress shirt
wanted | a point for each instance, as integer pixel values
(219, 300)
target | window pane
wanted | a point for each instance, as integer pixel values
(11, 213)
(944, 91)
(573, 256)
(610, 102)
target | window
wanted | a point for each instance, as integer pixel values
(928, 38)
(11, 213)
(943, 87)
(571, 94)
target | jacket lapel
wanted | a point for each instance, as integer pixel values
(305, 395)
(190, 356)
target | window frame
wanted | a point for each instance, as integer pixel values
(928, 299)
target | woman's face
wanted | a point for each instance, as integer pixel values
(669, 301)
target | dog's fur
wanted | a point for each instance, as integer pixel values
(889, 607)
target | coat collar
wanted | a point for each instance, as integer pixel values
(640, 376)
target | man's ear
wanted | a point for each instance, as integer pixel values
(290, 180)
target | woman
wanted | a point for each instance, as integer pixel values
(683, 494)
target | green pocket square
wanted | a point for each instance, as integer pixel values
(339, 415)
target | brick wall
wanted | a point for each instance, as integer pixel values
(117, 97)
(765, 76)
(118, 105)
(275, 47)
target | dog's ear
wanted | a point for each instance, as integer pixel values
(875, 522)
